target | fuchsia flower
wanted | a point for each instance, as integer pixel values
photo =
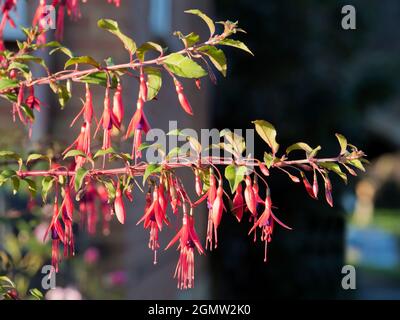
(154, 216)
(198, 184)
(188, 240)
(105, 208)
(182, 98)
(7, 6)
(143, 86)
(250, 197)
(119, 207)
(67, 209)
(118, 107)
(266, 223)
(238, 203)
(211, 196)
(137, 124)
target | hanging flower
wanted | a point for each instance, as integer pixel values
(250, 197)
(266, 223)
(188, 240)
(238, 203)
(119, 207)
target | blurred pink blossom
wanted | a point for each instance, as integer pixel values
(91, 255)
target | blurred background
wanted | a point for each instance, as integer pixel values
(311, 79)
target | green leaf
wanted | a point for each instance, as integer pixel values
(234, 175)
(6, 279)
(64, 95)
(112, 26)
(332, 166)
(36, 294)
(74, 153)
(299, 146)
(31, 186)
(236, 44)
(314, 152)
(7, 174)
(35, 157)
(15, 184)
(217, 57)
(64, 50)
(237, 142)
(82, 60)
(150, 169)
(191, 39)
(10, 155)
(6, 83)
(183, 66)
(47, 184)
(268, 159)
(100, 78)
(19, 66)
(110, 189)
(142, 50)
(30, 58)
(268, 133)
(356, 163)
(174, 152)
(154, 82)
(206, 19)
(343, 143)
(80, 175)
(176, 132)
(101, 153)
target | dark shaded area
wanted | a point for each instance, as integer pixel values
(310, 78)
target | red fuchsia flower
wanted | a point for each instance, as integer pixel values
(328, 191)
(119, 207)
(256, 190)
(310, 189)
(238, 203)
(118, 106)
(188, 240)
(173, 197)
(315, 185)
(57, 235)
(18, 103)
(211, 196)
(105, 209)
(143, 86)
(266, 223)
(88, 210)
(198, 83)
(264, 169)
(67, 209)
(40, 20)
(32, 102)
(59, 33)
(198, 184)
(250, 197)
(154, 216)
(7, 6)
(150, 222)
(217, 210)
(137, 124)
(182, 98)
